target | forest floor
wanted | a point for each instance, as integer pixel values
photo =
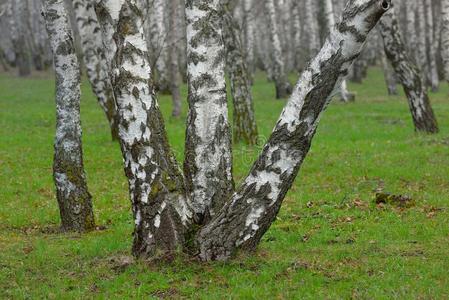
(330, 241)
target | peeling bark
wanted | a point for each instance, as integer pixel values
(208, 157)
(408, 75)
(245, 128)
(160, 207)
(253, 207)
(95, 60)
(75, 203)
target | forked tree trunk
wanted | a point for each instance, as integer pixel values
(283, 87)
(157, 192)
(245, 128)
(408, 74)
(253, 207)
(95, 60)
(445, 37)
(75, 203)
(161, 209)
(208, 157)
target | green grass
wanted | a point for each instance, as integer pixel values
(330, 240)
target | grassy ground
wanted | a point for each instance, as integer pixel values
(330, 240)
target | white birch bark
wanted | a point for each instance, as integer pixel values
(249, 34)
(173, 39)
(75, 203)
(254, 206)
(297, 37)
(95, 60)
(445, 36)
(411, 28)
(208, 157)
(285, 32)
(283, 87)
(345, 95)
(311, 27)
(159, 45)
(390, 79)
(245, 128)
(423, 62)
(264, 48)
(160, 208)
(21, 47)
(422, 113)
(36, 30)
(431, 47)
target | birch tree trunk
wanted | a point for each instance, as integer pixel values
(158, 34)
(253, 207)
(164, 210)
(359, 69)
(21, 47)
(249, 35)
(265, 45)
(345, 95)
(408, 74)
(245, 127)
(431, 47)
(75, 203)
(390, 79)
(3, 61)
(208, 155)
(445, 37)
(297, 54)
(95, 60)
(283, 87)
(285, 32)
(411, 28)
(160, 207)
(311, 27)
(35, 28)
(173, 52)
(423, 62)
